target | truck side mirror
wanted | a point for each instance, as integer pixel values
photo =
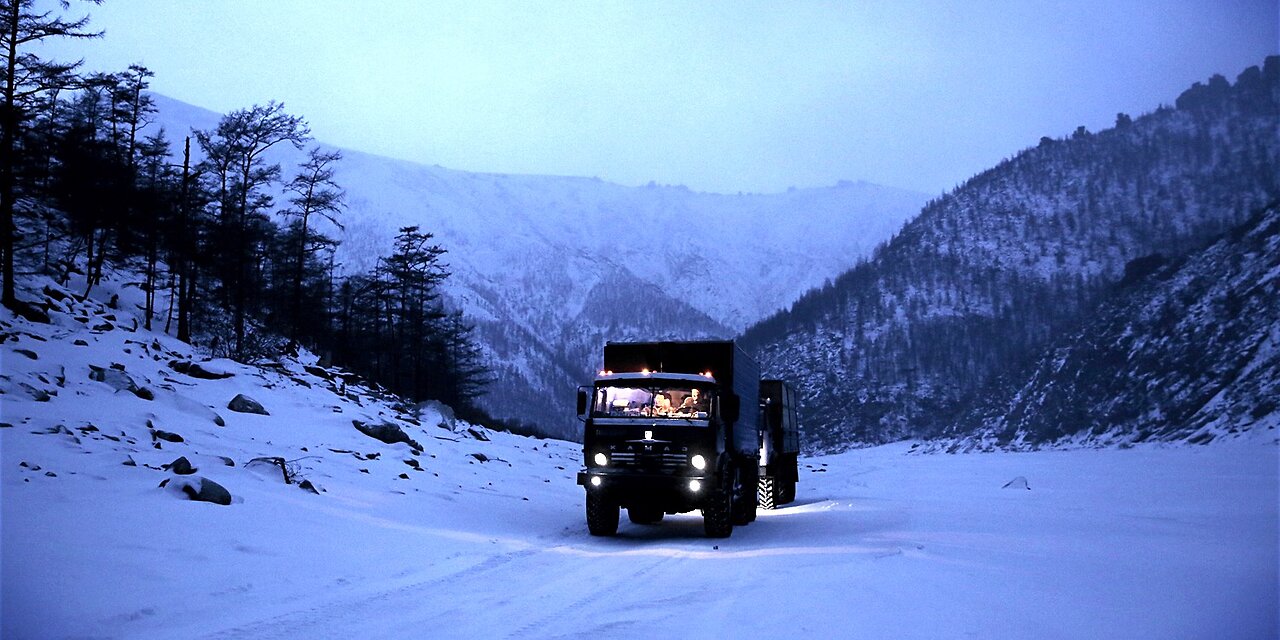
(730, 407)
(582, 402)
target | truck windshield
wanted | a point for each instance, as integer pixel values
(652, 402)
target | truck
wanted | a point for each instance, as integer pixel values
(673, 427)
(779, 445)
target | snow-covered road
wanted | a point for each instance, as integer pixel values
(1164, 543)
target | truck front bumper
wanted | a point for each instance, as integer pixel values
(672, 493)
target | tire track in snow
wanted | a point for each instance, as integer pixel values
(328, 618)
(569, 612)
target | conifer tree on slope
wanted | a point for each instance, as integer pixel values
(25, 76)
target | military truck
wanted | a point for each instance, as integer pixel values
(671, 427)
(779, 445)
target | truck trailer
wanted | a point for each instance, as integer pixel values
(673, 427)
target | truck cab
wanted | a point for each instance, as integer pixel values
(666, 432)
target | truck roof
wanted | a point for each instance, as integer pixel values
(659, 375)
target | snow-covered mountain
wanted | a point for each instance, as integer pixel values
(532, 256)
(991, 274)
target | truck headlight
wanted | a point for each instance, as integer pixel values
(595, 481)
(601, 460)
(695, 485)
(698, 462)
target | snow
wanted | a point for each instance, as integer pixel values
(1150, 541)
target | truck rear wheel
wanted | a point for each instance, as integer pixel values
(644, 515)
(602, 515)
(787, 492)
(766, 492)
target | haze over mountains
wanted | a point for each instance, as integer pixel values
(549, 268)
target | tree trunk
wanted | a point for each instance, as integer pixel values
(8, 140)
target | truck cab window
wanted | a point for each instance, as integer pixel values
(652, 402)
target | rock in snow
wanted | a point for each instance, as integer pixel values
(244, 404)
(196, 371)
(386, 432)
(181, 467)
(198, 489)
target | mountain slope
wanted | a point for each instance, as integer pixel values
(529, 254)
(989, 274)
(1188, 349)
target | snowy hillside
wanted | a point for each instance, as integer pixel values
(990, 275)
(529, 253)
(1186, 349)
(455, 531)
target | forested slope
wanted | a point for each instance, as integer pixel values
(992, 273)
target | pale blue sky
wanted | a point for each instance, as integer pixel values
(719, 96)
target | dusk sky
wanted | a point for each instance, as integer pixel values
(718, 96)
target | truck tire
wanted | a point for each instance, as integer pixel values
(765, 493)
(644, 515)
(787, 492)
(602, 515)
(717, 516)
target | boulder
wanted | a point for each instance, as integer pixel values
(29, 312)
(160, 434)
(37, 394)
(181, 466)
(196, 371)
(386, 432)
(115, 378)
(244, 404)
(198, 488)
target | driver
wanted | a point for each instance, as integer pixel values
(694, 402)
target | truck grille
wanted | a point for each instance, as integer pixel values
(652, 460)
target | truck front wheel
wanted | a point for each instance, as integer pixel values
(602, 515)
(717, 516)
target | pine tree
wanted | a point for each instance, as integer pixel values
(314, 193)
(25, 77)
(235, 162)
